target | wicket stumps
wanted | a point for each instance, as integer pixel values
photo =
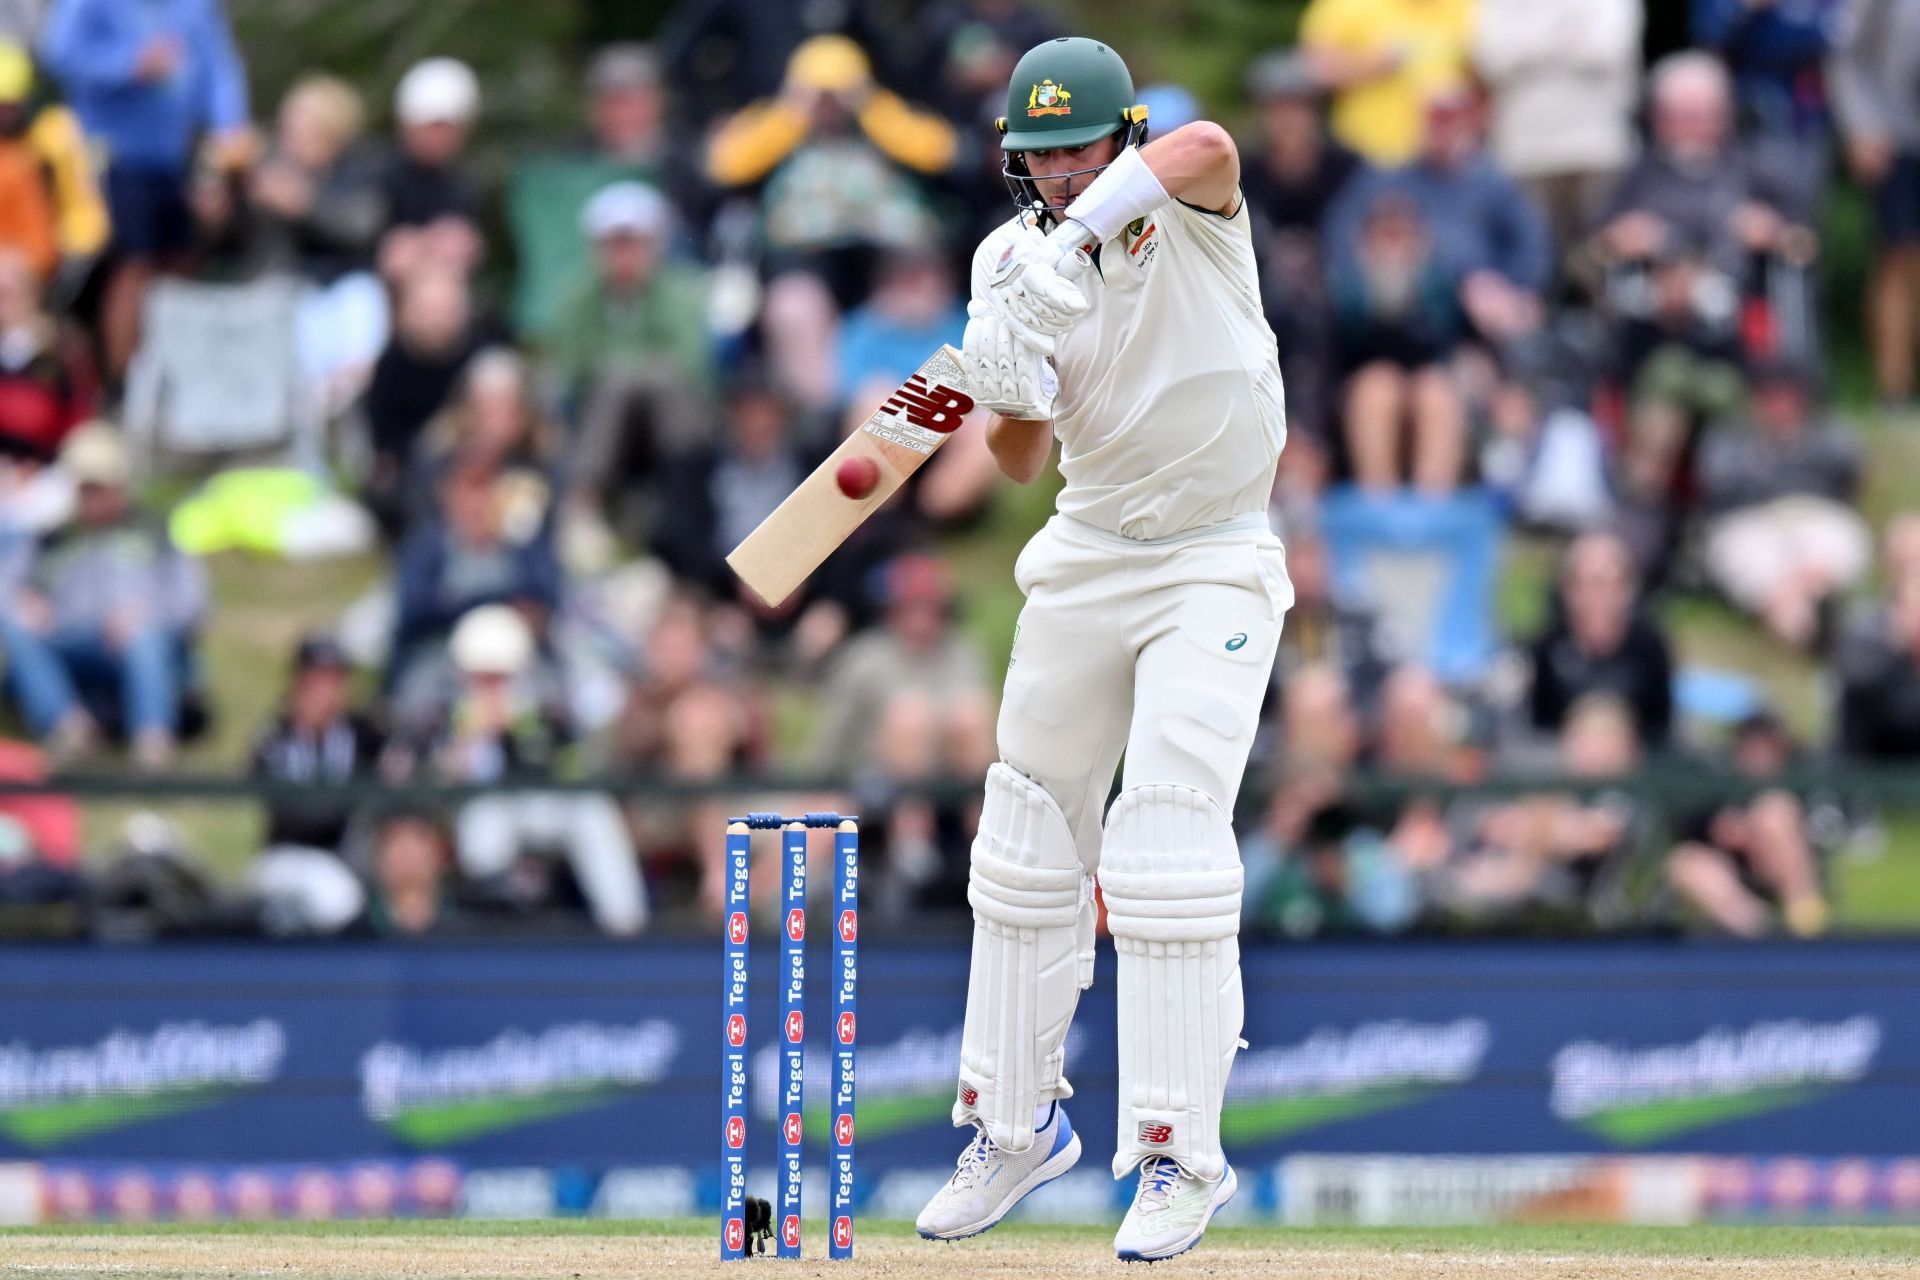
(734, 1242)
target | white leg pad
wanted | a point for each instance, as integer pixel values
(1170, 873)
(1027, 891)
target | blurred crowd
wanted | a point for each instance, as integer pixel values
(1527, 286)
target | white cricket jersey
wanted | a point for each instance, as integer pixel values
(1170, 413)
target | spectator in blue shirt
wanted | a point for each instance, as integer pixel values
(147, 78)
(1488, 235)
(913, 310)
(1775, 50)
(466, 558)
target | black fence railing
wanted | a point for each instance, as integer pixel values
(1663, 785)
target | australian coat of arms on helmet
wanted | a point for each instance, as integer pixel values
(1049, 99)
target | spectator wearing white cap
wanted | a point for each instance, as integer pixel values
(432, 201)
(631, 347)
(506, 721)
(626, 138)
(632, 208)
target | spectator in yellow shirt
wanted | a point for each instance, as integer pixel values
(1384, 60)
(824, 73)
(50, 207)
(837, 162)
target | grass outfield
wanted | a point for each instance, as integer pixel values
(593, 1250)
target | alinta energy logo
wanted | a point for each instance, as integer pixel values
(1635, 1097)
(1339, 1075)
(904, 1084)
(53, 1095)
(432, 1097)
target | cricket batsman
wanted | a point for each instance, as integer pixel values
(1119, 312)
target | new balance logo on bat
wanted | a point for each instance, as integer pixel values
(935, 407)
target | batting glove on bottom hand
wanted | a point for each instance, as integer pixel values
(1006, 374)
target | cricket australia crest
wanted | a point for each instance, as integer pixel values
(1049, 99)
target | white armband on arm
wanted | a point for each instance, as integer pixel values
(1127, 190)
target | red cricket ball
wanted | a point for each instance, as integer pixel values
(857, 476)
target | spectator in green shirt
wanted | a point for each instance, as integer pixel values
(632, 348)
(628, 136)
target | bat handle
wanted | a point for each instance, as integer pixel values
(1071, 268)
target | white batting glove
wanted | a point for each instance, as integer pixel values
(1006, 374)
(1033, 287)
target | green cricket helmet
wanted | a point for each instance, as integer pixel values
(1065, 93)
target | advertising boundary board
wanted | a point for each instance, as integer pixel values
(565, 1063)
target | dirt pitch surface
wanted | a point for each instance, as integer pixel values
(604, 1251)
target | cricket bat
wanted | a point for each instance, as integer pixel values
(817, 517)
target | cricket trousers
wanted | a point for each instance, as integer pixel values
(1159, 652)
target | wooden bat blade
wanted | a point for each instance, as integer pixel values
(816, 517)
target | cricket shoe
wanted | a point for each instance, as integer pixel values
(1170, 1210)
(988, 1181)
